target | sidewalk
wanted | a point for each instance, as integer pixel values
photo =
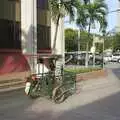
(102, 82)
(87, 92)
(96, 100)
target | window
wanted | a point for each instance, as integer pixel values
(42, 4)
(43, 26)
(10, 26)
(43, 37)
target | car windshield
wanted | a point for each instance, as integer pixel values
(116, 54)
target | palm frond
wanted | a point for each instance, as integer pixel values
(97, 11)
(59, 7)
(86, 2)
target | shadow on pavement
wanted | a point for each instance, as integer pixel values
(104, 109)
(116, 72)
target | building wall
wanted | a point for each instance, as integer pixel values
(43, 26)
(42, 18)
(28, 26)
(10, 24)
(11, 59)
(25, 14)
(29, 31)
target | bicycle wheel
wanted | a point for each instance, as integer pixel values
(35, 90)
(58, 95)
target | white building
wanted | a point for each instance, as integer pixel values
(26, 26)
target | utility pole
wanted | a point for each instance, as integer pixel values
(94, 54)
(78, 45)
(79, 40)
(93, 51)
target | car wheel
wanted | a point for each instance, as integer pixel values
(119, 61)
(90, 62)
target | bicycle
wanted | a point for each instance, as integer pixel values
(57, 87)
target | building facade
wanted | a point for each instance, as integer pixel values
(26, 29)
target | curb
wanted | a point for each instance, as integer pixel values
(91, 75)
(79, 78)
(12, 81)
(11, 89)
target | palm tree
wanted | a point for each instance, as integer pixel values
(81, 22)
(59, 9)
(96, 12)
(86, 1)
(93, 12)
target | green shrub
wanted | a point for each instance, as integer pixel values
(80, 70)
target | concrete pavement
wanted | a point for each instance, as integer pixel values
(96, 100)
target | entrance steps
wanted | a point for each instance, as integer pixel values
(12, 81)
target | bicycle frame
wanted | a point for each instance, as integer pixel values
(51, 83)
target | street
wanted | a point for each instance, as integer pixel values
(115, 67)
(98, 101)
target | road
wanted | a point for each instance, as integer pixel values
(115, 67)
(101, 103)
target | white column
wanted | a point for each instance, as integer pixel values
(60, 36)
(28, 30)
(63, 40)
(60, 43)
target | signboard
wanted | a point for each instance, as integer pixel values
(98, 40)
(93, 49)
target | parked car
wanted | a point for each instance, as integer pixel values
(80, 58)
(116, 57)
(107, 58)
(73, 58)
(98, 60)
(69, 58)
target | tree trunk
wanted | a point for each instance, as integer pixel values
(79, 32)
(87, 46)
(86, 61)
(56, 31)
(78, 61)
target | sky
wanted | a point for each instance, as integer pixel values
(111, 17)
